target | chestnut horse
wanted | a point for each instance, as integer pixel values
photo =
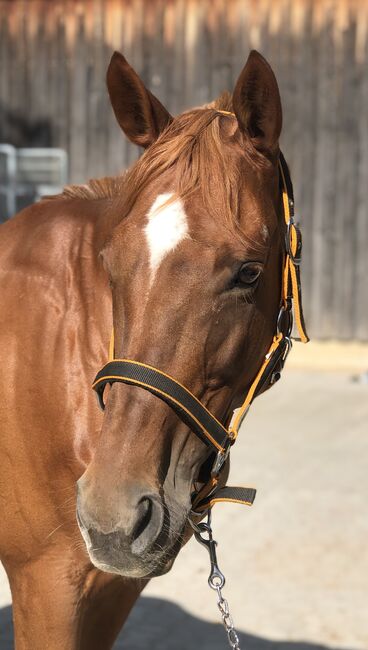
(182, 255)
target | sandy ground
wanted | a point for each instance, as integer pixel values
(297, 562)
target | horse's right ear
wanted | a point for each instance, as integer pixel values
(139, 113)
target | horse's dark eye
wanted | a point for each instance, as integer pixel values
(248, 275)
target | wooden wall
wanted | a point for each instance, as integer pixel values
(53, 58)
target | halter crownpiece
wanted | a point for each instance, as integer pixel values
(186, 405)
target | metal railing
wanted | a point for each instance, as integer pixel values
(28, 174)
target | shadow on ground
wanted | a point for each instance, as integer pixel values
(161, 625)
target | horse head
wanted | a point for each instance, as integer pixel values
(195, 265)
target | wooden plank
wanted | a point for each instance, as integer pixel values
(192, 63)
(50, 19)
(200, 66)
(221, 63)
(39, 119)
(4, 73)
(60, 78)
(136, 53)
(17, 117)
(302, 163)
(178, 101)
(168, 36)
(96, 99)
(77, 54)
(241, 36)
(324, 195)
(155, 50)
(118, 22)
(346, 188)
(359, 290)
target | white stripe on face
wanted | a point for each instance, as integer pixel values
(167, 226)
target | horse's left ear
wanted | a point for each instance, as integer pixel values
(140, 114)
(257, 103)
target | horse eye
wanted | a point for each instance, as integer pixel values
(248, 275)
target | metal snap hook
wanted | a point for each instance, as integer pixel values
(203, 535)
(216, 579)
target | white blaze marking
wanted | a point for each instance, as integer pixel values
(167, 226)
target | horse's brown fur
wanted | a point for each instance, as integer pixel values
(55, 325)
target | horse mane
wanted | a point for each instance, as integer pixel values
(193, 143)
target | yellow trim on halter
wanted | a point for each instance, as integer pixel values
(234, 428)
(289, 268)
(112, 345)
(215, 499)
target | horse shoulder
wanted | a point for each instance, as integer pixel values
(55, 321)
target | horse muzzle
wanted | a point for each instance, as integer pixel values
(132, 541)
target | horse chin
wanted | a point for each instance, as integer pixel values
(130, 566)
(161, 569)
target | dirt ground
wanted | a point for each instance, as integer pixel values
(296, 563)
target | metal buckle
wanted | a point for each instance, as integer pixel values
(233, 417)
(289, 345)
(291, 206)
(231, 431)
(276, 374)
(297, 258)
(220, 459)
(285, 319)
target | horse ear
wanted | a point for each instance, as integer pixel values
(257, 103)
(139, 113)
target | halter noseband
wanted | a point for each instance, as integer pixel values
(186, 405)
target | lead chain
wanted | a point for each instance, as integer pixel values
(227, 620)
(216, 580)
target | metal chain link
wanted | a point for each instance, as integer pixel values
(216, 580)
(227, 620)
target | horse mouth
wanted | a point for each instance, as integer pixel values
(114, 554)
(126, 564)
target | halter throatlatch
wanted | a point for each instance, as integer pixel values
(186, 405)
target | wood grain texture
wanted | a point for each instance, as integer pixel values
(53, 61)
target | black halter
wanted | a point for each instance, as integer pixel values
(186, 405)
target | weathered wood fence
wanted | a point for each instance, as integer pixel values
(53, 58)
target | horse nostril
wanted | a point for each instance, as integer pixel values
(144, 515)
(134, 527)
(148, 526)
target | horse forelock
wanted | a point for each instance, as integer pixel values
(191, 142)
(198, 150)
